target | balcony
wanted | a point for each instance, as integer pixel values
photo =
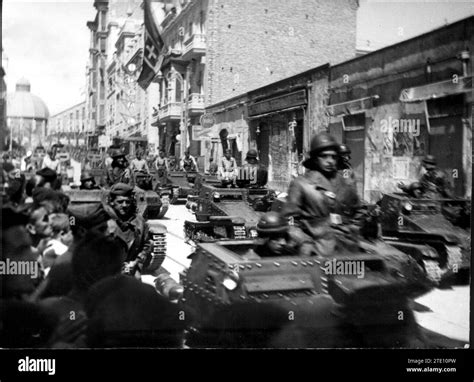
(170, 112)
(194, 47)
(196, 103)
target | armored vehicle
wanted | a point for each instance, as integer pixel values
(441, 224)
(182, 184)
(151, 204)
(326, 299)
(224, 213)
(157, 231)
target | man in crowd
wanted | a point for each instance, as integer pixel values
(188, 162)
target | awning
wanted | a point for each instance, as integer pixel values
(437, 90)
(351, 107)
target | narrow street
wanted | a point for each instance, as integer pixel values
(444, 311)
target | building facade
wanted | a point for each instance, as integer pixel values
(217, 50)
(391, 107)
(69, 126)
(396, 105)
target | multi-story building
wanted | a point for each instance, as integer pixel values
(216, 50)
(119, 108)
(69, 126)
(3, 106)
(96, 73)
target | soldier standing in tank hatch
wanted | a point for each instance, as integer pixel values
(252, 174)
(323, 204)
(432, 185)
(344, 164)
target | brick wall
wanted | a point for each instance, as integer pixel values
(254, 43)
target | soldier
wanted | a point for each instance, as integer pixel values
(252, 174)
(432, 185)
(162, 168)
(320, 201)
(119, 172)
(88, 182)
(344, 163)
(188, 163)
(228, 168)
(139, 164)
(278, 238)
(213, 167)
(132, 229)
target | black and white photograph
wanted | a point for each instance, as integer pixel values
(236, 174)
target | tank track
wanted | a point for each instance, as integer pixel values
(159, 252)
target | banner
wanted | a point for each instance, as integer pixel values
(152, 59)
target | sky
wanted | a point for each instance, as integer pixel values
(47, 42)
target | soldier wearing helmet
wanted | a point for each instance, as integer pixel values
(278, 238)
(344, 163)
(321, 199)
(433, 184)
(88, 182)
(252, 174)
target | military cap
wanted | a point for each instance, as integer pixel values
(47, 173)
(121, 189)
(117, 154)
(88, 215)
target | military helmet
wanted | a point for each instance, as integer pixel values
(323, 141)
(251, 154)
(272, 223)
(344, 149)
(429, 159)
(86, 176)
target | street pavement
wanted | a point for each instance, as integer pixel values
(443, 311)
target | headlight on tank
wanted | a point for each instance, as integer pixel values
(231, 280)
(216, 196)
(407, 207)
(253, 232)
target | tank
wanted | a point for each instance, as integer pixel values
(182, 184)
(151, 204)
(441, 224)
(223, 213)
(369, 307)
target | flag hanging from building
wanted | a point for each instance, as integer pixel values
(152, 58)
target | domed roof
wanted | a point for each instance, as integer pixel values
(23, 104)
